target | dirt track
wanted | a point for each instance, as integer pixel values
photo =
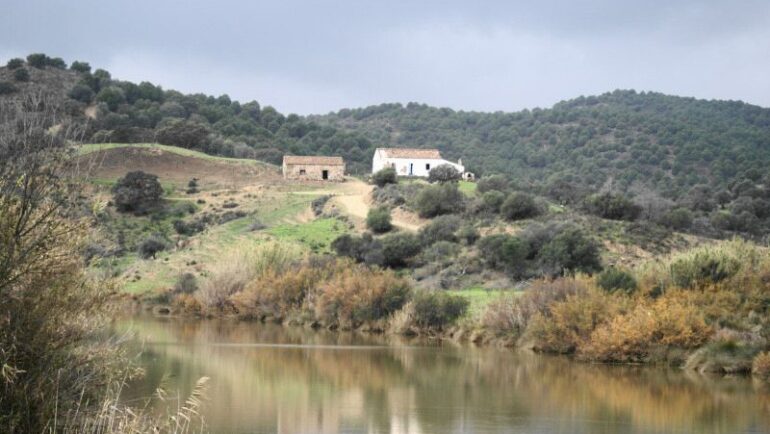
(354, 196)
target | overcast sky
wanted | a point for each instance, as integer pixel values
(320, 56)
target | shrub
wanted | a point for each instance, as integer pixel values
(443, 173)
(318, 204)
(15, 63)
(81, 92)
(398, 248)
(612, 206)
(702, 268)
(186, 284)
(760, 367)
(81, 67)
(440, 251)
(439, 199)
(384, 177)
(150, 247)
(37, 60)
(192, 186)
(189, 228)
(113, 96)
(378, 220)
(493, 182)
(57, 62)
(7, 88)
(614, 279)
(359, 294)
(505, 252)
(137, 192)
(678, 219)
(570, 251)
(21, 74)
(492, 201)
(468, 235)
(519, 206)
(442, 228)
(437, 309)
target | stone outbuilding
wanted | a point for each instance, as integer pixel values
(313, 168)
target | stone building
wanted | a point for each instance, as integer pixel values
(313, 168)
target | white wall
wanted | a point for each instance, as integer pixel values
(410, 166)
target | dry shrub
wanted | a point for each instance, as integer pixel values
(358, 294)
(243, 264)
(567, 325)
(669, 322)
(511, 314)
(760, 367)
(188, 304)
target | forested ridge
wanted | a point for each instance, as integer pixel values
(623, 141)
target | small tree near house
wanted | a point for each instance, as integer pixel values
(137, 192)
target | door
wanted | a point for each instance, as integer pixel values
(324, 174)
(411, 169)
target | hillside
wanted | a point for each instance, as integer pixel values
(664, 152)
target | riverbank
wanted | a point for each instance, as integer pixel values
(705, 309)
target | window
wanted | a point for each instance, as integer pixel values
(427, 166)
(301, 171)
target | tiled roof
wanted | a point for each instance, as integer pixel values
(411, 153)
(313, 160)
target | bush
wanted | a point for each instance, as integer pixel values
(7, 88)
(15, 63)
(57, 62)
(81, 67)
(318, 204)
(113, 96)
(398, 248)
(442, 228)
(21, 74)
(519, 206)
(760, 367)
(443, 173)
(439, 199)
(37, 60)
(612, 206)
(468, 235)
(81, 92)
(492, 201)
(492, 183)
(186, 284)
(504, 252)
(570, 251)
(440, 251)
(678, 219)
(703, 268)
(137, 192)
(359, 294)
(189, 228)
(614, 279)
(378, 220)
(438, 309)
(150, 247)
(384, 177)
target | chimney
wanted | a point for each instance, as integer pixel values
(460, 161)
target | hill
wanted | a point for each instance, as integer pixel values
(664, 152)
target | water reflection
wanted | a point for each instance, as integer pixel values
(289, 380)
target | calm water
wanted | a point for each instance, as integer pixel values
(269, 379)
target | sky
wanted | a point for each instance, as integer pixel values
(313, 57)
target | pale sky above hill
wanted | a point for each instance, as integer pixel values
(319, 56)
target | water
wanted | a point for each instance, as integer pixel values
(272, 379)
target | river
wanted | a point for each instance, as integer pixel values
(274, 379)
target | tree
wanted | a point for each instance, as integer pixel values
(21, 74)
(490, 183)
(570, 251)
(444, 173)
(81, 92)
(493, 200)
(37, 60)
(56, 62)
(15, 63)
(137, 192)
(150, 247)
(183, 133)
(519, 206)
(81, 67)
(384, 177)
(378, 220)
(613, 207)
(439, 199)
(113, 96)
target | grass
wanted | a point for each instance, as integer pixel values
(317, 234)
(479, 297)
(86, 149)
(468, 188)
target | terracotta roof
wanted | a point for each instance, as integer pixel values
(411, 153)
(313, 160)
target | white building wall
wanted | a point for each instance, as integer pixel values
(419, 167)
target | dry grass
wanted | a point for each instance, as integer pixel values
(760, 367)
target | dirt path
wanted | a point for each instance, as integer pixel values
(355, 197)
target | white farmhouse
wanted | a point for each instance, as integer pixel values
(411, 162)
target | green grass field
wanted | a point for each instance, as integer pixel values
(479, 297)
(95, 147)
(317, 234)
(468, 188)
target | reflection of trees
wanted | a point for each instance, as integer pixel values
(399, 388)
